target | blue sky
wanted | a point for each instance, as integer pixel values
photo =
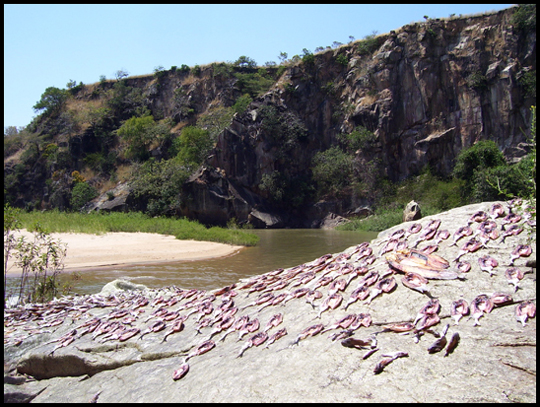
(48, 45)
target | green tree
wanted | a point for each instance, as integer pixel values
(484, 154)
(52, 100)
(245, 62)
(138, 133)
(193, 145)
(82, 193)
(332, 170)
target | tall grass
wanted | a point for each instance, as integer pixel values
(99, 223)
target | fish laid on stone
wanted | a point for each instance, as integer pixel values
(155, 327)
(514, 275)
(398, 327)
(275, 301)
(249, 327)
(388, 358)
(481, 305)
(452, 344)
(524, 311)
(312, 296)
(181, 372)
(415, 282)
(343, 323)
(522, 250)
(299, 292)
(331, 302)
(463, 266)
(496, 211)
(359, 343)
(225, 324)
(255, 340)
(413, 229)
(431, 307)
(309, 331)
(260, 300)
(412, 264)
(440, 343)
(459, 309)
(385, 285)
(273, 322)
(361, 293)
(279, 334)
(511, 218)
(487, 263)
(499, 299)
(440, 236)
(460, 233)
(341, 335)
(237, 326)
(470, 246)
(478, 217)
(512, 230)
(201, 349)
(338, 284)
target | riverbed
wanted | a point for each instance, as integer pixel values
(277, 248)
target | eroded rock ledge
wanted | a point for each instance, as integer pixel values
(493, 362)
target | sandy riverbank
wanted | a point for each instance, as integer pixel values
(86, 251)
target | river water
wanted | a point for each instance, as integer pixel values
(277, 248)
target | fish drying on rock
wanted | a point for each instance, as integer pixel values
(415, 282)
(273, 322)
(459, 309)
(338, 284)
(388, 358)
(463, 266)
(255, 340)
(440, 343)
(514, 275)
(309, 331)
(522, 250)
(275, 301)
(181, 372)
(237, 326)
(155, 327)
(499, 299)
(341, 335)
(478, 217)
(343, 323)
(260, 300)
(480, 305)
(462, 232)
(524, 311)
(511, 218)
(496, 211)
(413, 229)
(279, 334)
(201, 349)
(299, 292)
(331, 302)
(429, 266)
(312, 296)
(440, 236)
(359, 343)
(429, 232)
(360, 293)
(432, 307)
(452, 344)
(385, 285)
(398, 327)
(512, 230)
(249, 327)
(487, 263)
(470, 246)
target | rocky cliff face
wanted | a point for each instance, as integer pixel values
(428, 91)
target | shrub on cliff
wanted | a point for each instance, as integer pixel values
(332, 170)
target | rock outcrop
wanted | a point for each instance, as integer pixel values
(428, 91)
(50, 348)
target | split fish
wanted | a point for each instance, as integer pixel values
(523, 250)
(181, 372)
(478, 217)
(525, 310)
(459, 309)
(385, 285)
(470, 246)
(480, 305)
(514, 276)
(312, 296)
(432, 307)
(398, 327)
(500, 299)
(343, 323)
(496, 211)
(460, 233)
(255, 340)
(513, 230)
(440, 343)
(331, 302)
(273, 322)
(361, 293)
(279, 334)
(487, 263)
(463, 266)
(309, 331)
(276, 300)
(178, 326)
(201, 349)
(337, 285)
(415, 282)
(250, 326)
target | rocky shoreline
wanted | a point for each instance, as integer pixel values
(110, 347)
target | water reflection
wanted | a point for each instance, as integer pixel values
(277, 248)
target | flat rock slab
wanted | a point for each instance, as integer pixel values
(494, 361)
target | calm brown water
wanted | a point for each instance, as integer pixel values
(277, 248)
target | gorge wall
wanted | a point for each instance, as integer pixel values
(427, 92)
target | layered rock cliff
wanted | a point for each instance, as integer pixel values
(428, 91)
(424, 92)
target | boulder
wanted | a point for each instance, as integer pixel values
(412, 212)
(332, 220)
